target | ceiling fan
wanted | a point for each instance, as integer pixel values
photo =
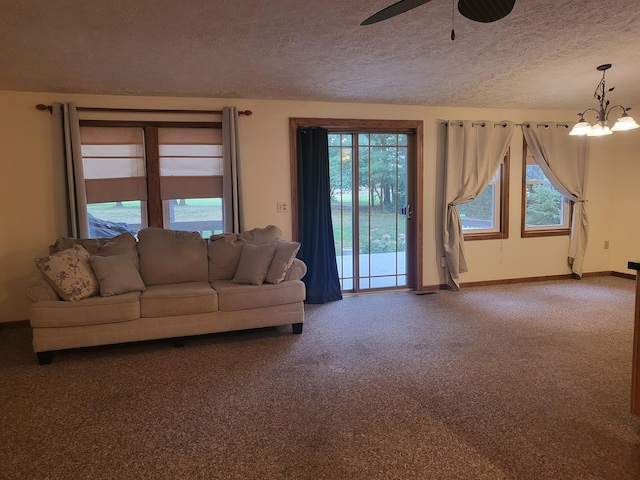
(484, 11)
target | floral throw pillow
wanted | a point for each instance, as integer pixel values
(69, 273)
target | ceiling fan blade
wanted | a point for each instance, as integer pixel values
(485, 11)
(393, 10)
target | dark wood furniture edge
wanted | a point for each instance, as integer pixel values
(635, 375)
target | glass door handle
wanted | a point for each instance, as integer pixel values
(406, 211)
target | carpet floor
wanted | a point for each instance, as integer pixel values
(524, 381)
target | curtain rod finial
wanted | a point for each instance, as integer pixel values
(246, 112)
(43, 107)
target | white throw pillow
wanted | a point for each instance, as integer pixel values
(254, 263)
(282, 260)
(116, 274)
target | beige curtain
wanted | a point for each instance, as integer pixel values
(474, 152)
(232, 182)
(68, 125)
(564, 159)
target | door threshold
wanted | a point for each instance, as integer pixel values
(372, 291)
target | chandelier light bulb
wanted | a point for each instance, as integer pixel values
(581, 128)
(625, 122)
(599, 130)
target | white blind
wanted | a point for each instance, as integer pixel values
(190, 162)
(113, 161)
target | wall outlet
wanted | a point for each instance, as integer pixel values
(443, 262)
(282, 207)
(606, 244)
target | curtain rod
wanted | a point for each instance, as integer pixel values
(545, 124)
(483, 123)
(43, 107)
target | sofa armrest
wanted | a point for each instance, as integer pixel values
(297, 270)
(39, 290)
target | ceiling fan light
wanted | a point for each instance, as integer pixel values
(581, 128)
(625, 122)
(487, 11)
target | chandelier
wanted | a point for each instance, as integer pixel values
(624, 122)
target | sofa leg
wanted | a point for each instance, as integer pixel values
(45, 358)
(297, 328)
(178, 342)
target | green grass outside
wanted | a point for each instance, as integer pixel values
(196, 209)
(381, 229)
(377, 231)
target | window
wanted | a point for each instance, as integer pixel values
(545, 211)
(146, 175)
(115, 179)
(486, 217)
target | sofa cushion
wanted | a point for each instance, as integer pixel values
(118, 245)
(254, 263)
(90, 311)
(258, 236)
(178, 299)
(232, 296)
(224, 255)
(282, 260)
(171, 256)
(69, 273)
(116, 274)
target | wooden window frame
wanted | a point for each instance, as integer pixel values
(503, 216)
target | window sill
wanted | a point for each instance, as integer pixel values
(484, 236)
(556, 232)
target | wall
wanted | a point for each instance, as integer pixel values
(32, 205)
(624, 161)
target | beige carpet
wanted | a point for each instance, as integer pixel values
(528, 381)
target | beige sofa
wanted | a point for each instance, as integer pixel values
(167, 284)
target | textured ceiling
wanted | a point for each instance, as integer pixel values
(543, 55)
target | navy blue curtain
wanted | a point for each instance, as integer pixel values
(315, 228)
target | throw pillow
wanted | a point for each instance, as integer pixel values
(69, 273)
(116, 274)
(282, 260)
(254, 263)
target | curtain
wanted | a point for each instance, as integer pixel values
(233, 213)
(474, 152)
(564, 159)
(315, 228)
(68, 125)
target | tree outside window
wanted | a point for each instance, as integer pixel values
(545, 210)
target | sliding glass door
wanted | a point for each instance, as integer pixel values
(369, 208)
